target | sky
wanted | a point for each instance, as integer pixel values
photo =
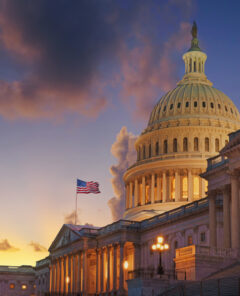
(78, 80)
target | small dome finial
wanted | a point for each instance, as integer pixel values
(194, 30)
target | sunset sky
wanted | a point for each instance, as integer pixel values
(78, 79)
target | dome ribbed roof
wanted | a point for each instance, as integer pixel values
(194, 100)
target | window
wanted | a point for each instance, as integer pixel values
(185, 144)
(175, 245)
(207, 144)
(164, 109)
(150, 151)
(194, 66)
(199, 67)
(202, 236)
(187, 104)
(12, 286)
(212, 105)
(144, 152)
(157, 148)
(231, 110)
(226, 109)
(204, 104)
(190, 240)
(171, 106)
(190, 65)
(179, 105)
(195, 104)
(175, 145)
(165, 146)
(216, 145)
(196, 144)
(219, 106)
(24, 287)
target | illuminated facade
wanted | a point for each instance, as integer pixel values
(165, 195)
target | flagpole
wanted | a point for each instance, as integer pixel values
(76, 209)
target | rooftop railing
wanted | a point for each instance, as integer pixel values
(216, 161)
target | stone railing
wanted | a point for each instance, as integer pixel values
(116, 226)
(205, 250)
(216, 161)
(176, 213)
(88, 232)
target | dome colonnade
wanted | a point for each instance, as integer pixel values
(188, 125)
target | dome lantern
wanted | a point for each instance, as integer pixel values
(194, 60)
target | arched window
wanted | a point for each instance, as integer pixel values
(175, 244)
(185, 144)
(207, 144)
(157, 148)
(165, 148)
(195, 68)
(144, 152)
(150, 151)
(190, 65)
(196, 144)
(199, 69)
(216, 145)
(175, 145)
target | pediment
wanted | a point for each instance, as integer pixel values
(65, 237)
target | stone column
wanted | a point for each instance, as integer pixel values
(108, 268)
(69, 274)
(114, 267)
(143, 190)
(121, 279)
(226, 219)
(50, 279)
(164, 180)
(158, 188)
(102, 271)
(97, 263)
(64, 275)
(127, 196)
(60, 275)
(152, 188)
(130, 194)
(136, 191)
(235, 212)
(190, 186)
(201, 187)
(84, 265)
(212, 220)
(177, 186)
(73, 273)
(79, 271)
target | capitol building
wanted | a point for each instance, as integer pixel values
(181, 219)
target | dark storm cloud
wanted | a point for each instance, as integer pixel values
(72, 50)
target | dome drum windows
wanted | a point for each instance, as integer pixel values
(196, 145)
(195, 104)
(185, 144)
(187, 104)
(206, 144)
(144, 152)
(157, 149)
(171, 106)
(179, 105)
(165, 146)
(204, 104)
(212, 105)
(175, 145)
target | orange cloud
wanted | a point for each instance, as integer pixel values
(37, 247)
(6, 246)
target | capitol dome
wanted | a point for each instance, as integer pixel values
(188, 125)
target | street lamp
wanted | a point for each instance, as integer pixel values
(160, 246)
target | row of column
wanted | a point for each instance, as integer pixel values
(66, 273)
(231, 215)
(161, 188)
(70, 273)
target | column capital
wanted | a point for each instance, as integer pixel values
(121, 244)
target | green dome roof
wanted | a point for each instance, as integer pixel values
(193, 100)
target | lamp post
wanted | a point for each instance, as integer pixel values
(160, 246)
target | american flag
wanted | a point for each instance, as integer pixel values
(87, 187)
